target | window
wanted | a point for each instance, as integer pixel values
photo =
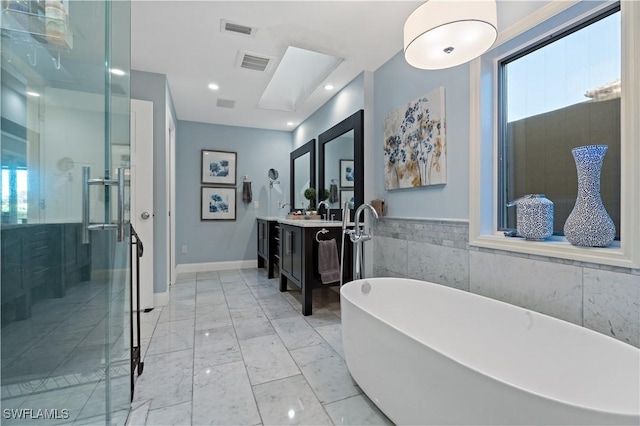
(555, 95)
(14, 195)
(553, 26)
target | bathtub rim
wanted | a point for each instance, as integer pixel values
(521, 388)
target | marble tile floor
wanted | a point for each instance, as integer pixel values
(55, 358)
(231, 349)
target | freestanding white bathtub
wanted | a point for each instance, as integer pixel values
(429, 354)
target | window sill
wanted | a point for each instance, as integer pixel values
(557, 247)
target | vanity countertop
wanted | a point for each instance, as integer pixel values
(270, 218)
(310, 223)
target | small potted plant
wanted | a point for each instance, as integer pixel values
(310, 194)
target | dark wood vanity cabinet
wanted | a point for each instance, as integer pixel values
(291, 252)
(40, 261)
(299, 259)
(268, 245)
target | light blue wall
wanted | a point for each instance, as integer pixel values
(257, 150)
(153, 87)
(346, 102)
(396, 83)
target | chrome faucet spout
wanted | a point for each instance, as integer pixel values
(326, 206)
(357, 234)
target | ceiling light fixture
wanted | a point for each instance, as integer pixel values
(328, 87)
(289, 123)
(443, 33)
(116, 71)
(34, 94)
(213, 86)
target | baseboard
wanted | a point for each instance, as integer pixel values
(216, 266)
(160, 299)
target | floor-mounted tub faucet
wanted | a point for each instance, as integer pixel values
(358, 237)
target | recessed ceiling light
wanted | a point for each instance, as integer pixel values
(328, 87)
(213, 86)
(289, 123)
(34, 94)
(116, 71)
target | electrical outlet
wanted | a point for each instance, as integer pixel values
(256, 204)
(279, 204)
(184, 250)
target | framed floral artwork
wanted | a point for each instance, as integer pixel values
(347, 174)
(415, 148)
(218, 203)
(347, 195)
(218, 167)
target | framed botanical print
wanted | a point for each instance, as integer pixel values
(218, 167)
(347, 195)
(218, 203)
(347, 173)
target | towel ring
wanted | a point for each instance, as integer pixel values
(322, 231)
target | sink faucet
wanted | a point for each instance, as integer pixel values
(357, 235)
(284, 205)
(326, 206)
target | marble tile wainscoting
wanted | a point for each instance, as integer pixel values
(603, 298)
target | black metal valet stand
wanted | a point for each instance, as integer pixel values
(136, 351)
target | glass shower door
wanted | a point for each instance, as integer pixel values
(64, 229)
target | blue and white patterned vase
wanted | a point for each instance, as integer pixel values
(589, 224)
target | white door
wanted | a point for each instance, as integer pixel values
(142, 195)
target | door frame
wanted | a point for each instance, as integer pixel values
(170, 197)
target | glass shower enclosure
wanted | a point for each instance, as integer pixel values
(64, 233)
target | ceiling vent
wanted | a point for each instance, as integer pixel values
(253, 61)
(237, 29)
(225, 103)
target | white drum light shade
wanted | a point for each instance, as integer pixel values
(445, 33)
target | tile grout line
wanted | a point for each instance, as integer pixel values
(193, 351)
(328, 417)
(244, 363)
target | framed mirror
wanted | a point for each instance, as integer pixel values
(303, 174)
(341, 165)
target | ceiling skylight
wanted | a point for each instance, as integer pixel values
(299, 73)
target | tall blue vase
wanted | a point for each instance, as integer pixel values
(589, 224)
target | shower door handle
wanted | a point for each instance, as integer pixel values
(86, 184)
(85, 204)
(120, 204)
